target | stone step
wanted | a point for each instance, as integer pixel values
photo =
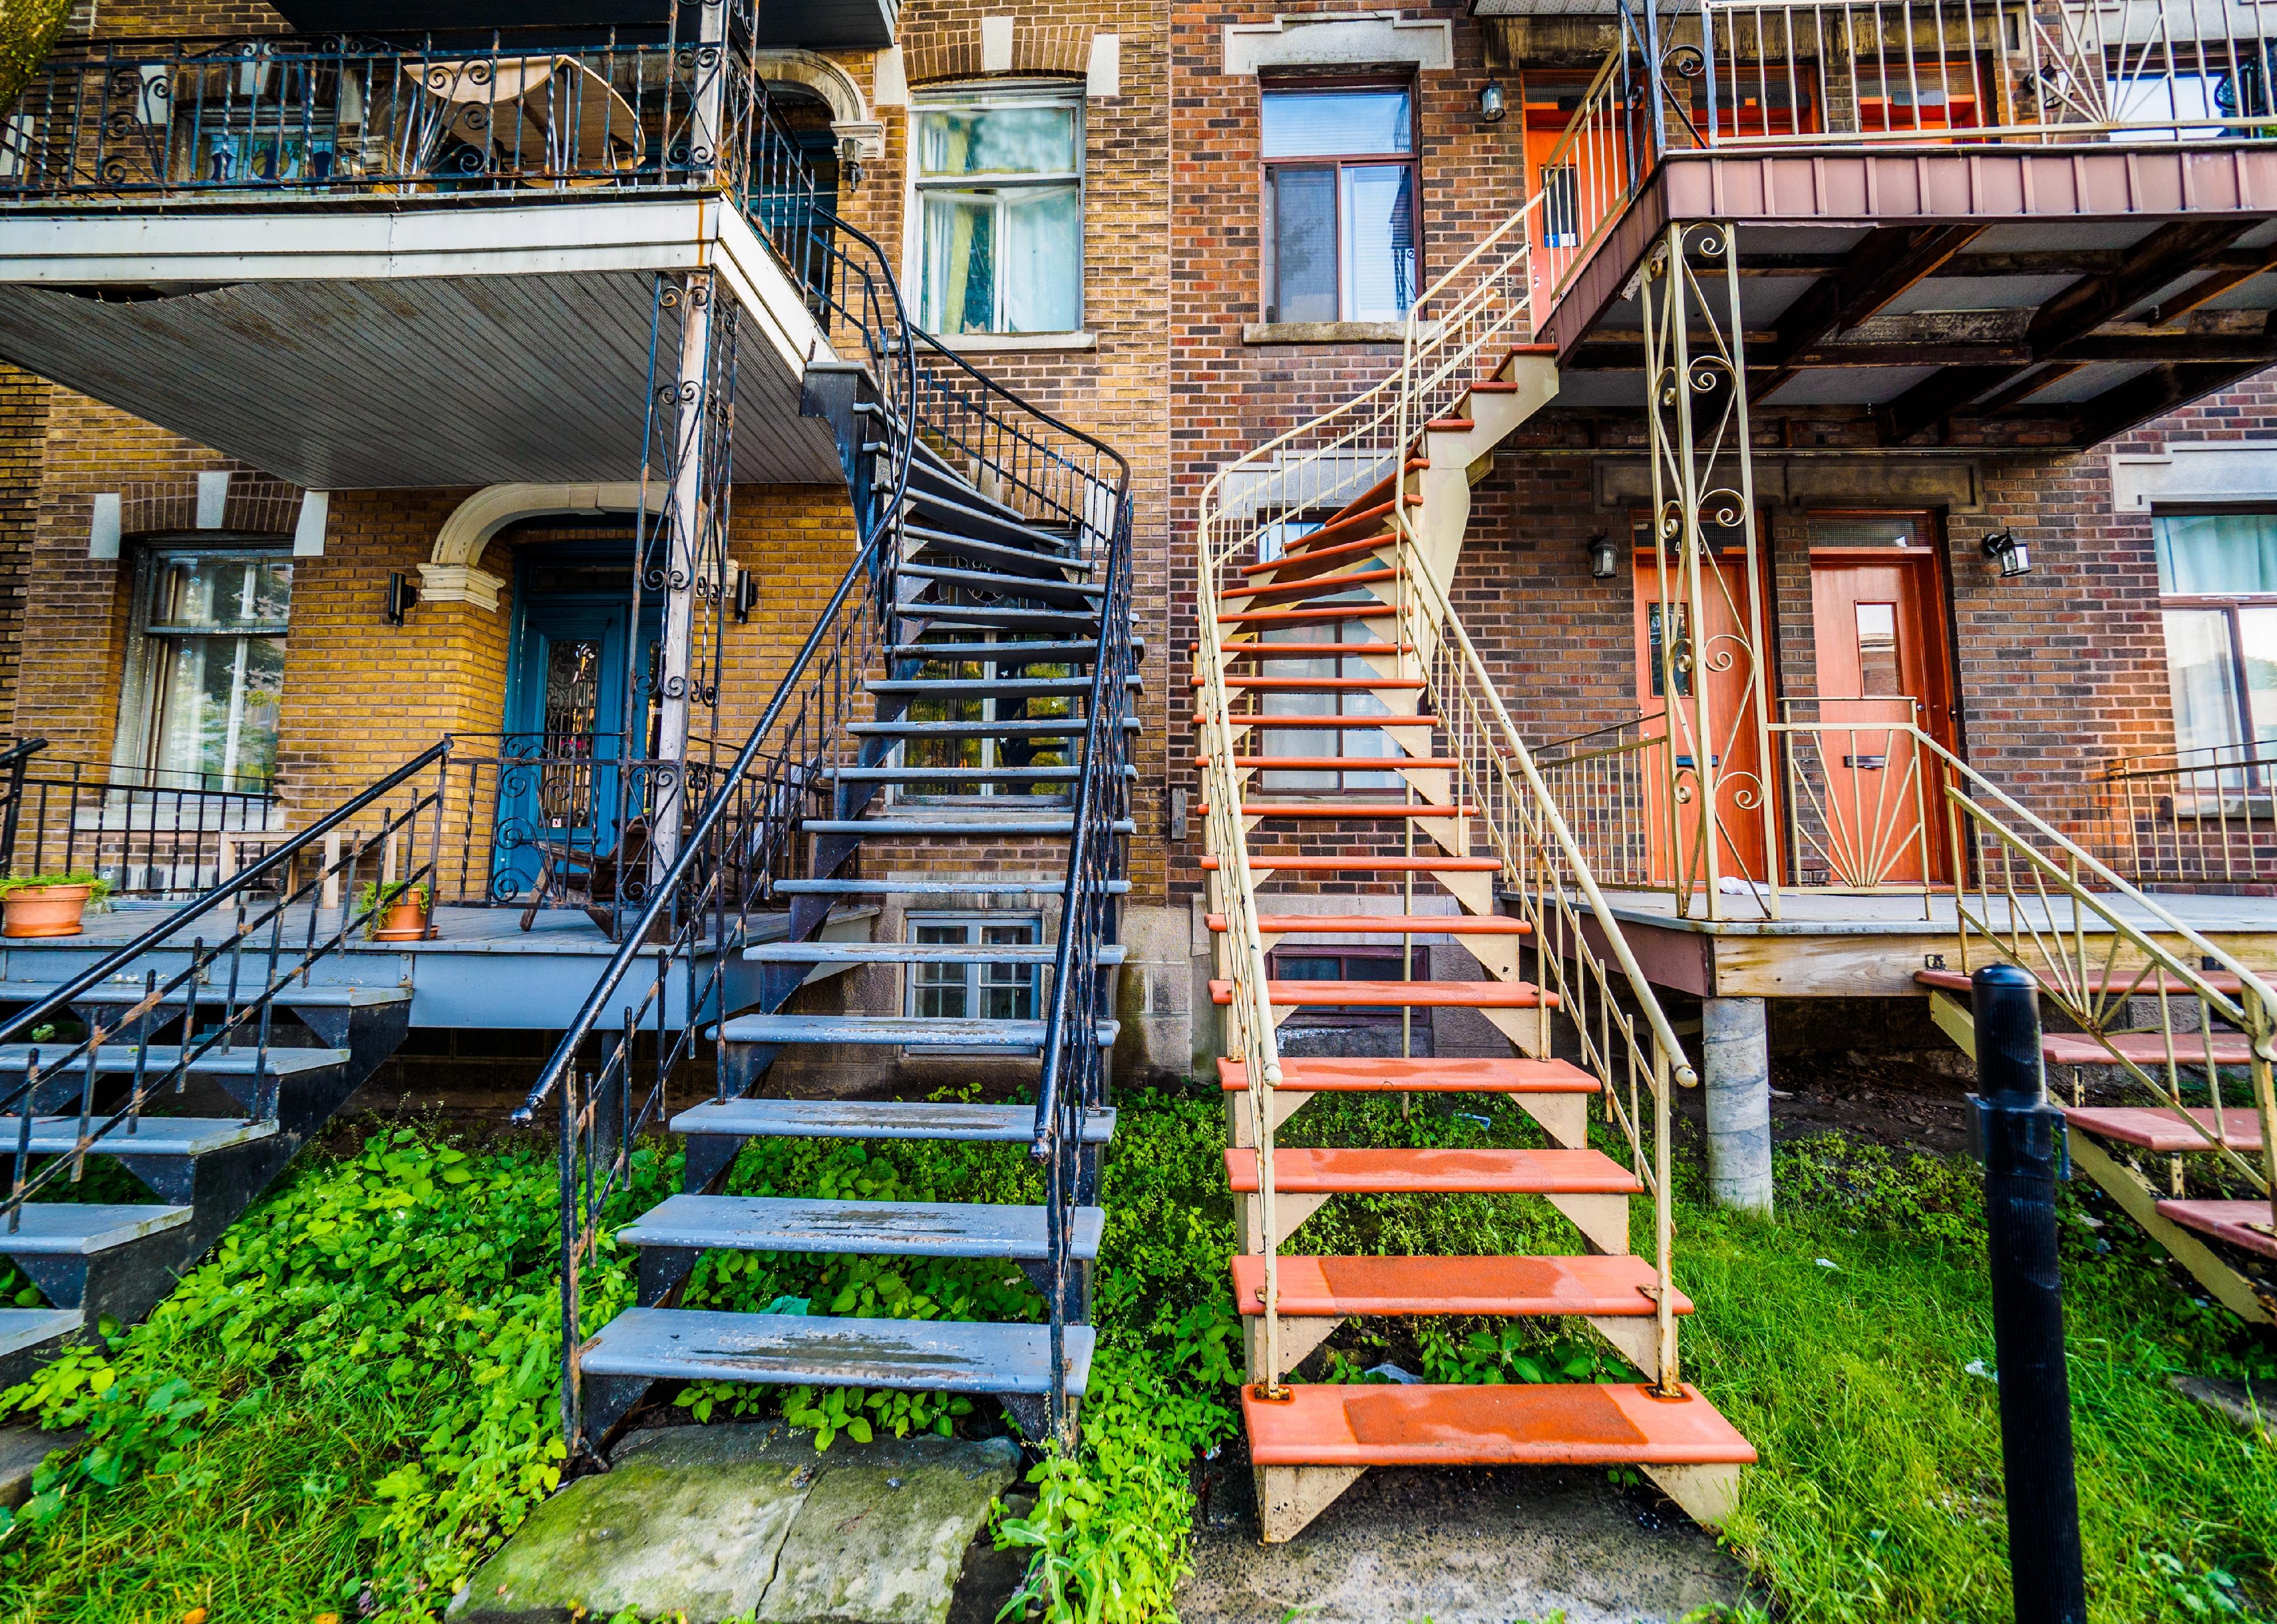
(895, 1029)
(898, 1119)
(884, 1228)
(920, 1355)
(1513, 1424)
(1333, 1288)
(150, 1136)
(78, 1229)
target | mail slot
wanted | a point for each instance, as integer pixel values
(1866, 764)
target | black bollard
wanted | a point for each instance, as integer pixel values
(2020, 1135)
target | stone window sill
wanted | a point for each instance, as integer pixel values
(1331, 333)
(1008, 343)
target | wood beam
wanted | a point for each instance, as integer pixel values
(2070, 315)
(2153, 394)
(1888, 261)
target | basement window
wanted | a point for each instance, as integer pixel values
(1341, 209)
(206, 666)
(972, 989)
(1000, 201)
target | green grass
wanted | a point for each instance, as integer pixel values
(355, 1398)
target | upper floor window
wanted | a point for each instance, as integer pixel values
(999, 197)
(2218, 591)
(207, 666)
(1340, 201)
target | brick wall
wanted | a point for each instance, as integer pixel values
(23, 459)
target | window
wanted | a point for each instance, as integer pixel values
(1340, 201)
(208, 666)
(1348, 965)
(1000, 196)
(2218, 589)
(973, 990)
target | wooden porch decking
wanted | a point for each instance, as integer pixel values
(1831, 946)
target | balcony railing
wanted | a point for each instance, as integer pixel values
(311, 119)
(1742, 75)
(149, 833)
(2202, 818)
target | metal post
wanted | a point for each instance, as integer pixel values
(2019, 1134)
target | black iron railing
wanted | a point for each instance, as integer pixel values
(452, 115)
(147, 832)
(269, 932)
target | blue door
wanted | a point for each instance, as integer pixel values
(560, 781)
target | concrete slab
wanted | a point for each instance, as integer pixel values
(732, 1522)
(1455, 1547)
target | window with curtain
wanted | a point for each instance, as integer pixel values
(2218, 593)
(1342, 226)
(1000, 200)
(209, 657)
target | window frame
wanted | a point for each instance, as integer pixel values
(1268, 209)
(2258, 775)
(135, 737)
(985, 95)
(974, 922)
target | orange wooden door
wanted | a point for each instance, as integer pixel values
(1715, 655)
(1878, 627)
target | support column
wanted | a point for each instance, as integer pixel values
(1736, 1075)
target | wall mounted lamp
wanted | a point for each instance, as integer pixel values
(747, 593)
(1492, 103)
(1604, 558)
(401, 596)
(2014, 557)
(849, 163)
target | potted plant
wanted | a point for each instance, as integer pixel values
(48, 905)
(399, 909)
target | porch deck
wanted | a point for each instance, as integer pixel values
(1827, 944)
(480, 969)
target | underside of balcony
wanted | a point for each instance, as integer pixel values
(2048, 296)
(353, 344)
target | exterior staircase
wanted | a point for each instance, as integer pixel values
(1330, 658)
(200, 1056)
(986, 623)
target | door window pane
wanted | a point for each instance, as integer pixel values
(1878, 650)
(2201, 674)
(2215, 555)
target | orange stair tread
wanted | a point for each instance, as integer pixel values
(2243, 1224)
(1294, 651)
(1329, 540)
(1284, 617)
(1359, 1074)
(2163, 1129)
(1451, 425)
(2147, 1049)
(1329, 583)
(1399, 995)
(2220, 980)
(1316, 1287)
(1297, 1170)
(1294, 864)
(1513, 1423)
(1384, 925)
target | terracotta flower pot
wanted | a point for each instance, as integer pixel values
(403, 922)
(44, 909)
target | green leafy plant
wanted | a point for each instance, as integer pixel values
(378, 895)
(98, 887)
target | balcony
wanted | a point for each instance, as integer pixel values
(2035, 225)
(363, 266)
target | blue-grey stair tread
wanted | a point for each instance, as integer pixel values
(319, 994)
(23, 1327)
(153, 1136)
(968, 774)
(117, 1055)
(974, 887)
(1006, 654)
(877, 1119)
(1015, 726)
(914, 953)
(1002, 688)
(983, 615)
(893, 1029)
(1030, 552)
(1009, 586)
(72, 1229)
(898, 1229)
(795, 1349)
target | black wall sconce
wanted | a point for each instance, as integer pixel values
(849, 163)
(1604, 558)
(2014, 557)
(747, 593)
(401, 596)
(1492, 103)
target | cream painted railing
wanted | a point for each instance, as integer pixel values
(1249, 511)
